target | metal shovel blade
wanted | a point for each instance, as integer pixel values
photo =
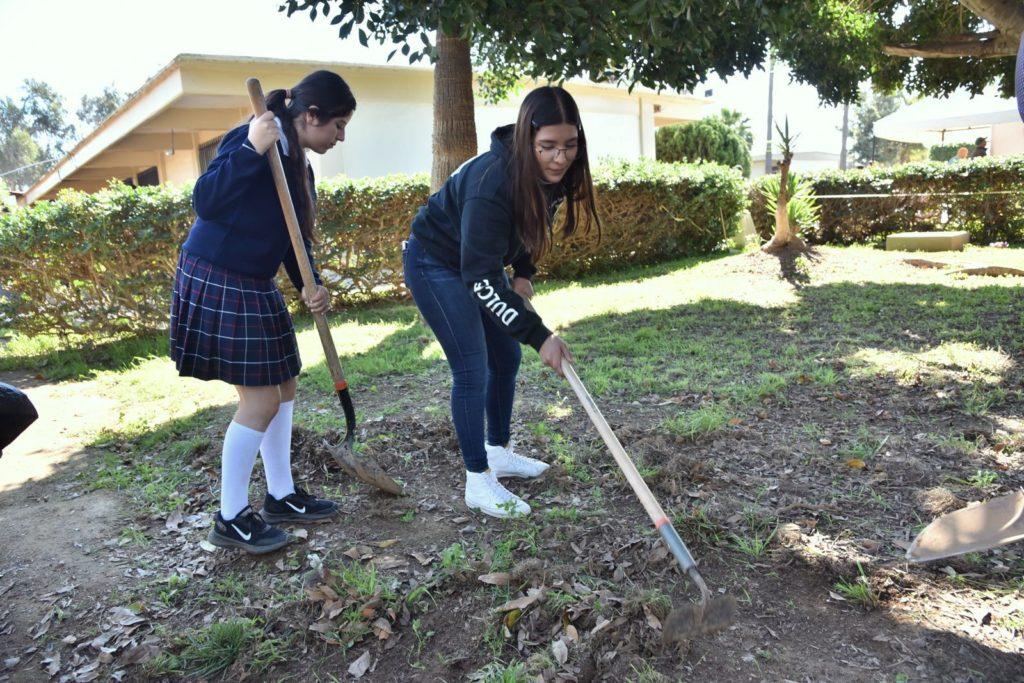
(979, 527)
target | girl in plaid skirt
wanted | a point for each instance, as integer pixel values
(228, 319)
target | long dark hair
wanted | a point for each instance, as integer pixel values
(546, 106)
(324, 94)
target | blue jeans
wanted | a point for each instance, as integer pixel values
(484, 359)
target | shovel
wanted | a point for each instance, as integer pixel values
(711, 614)
(979, 527)
(361, 467)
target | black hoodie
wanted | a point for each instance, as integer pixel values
(469, 226)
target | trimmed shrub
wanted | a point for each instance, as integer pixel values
(104, 263)
(983, 196)
(709, 139)
(945, 152)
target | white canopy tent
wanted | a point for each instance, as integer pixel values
(959, 118)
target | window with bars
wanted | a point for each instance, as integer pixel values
(207, 151)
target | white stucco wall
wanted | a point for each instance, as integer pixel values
(1007, 138)
(388, 135)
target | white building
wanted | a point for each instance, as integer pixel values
(168, 131)
(803, 162)
(957, 119)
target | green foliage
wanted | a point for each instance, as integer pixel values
(709, 139)
(987, 217)
(866, 148)
(617, 41)
(945, 152)
(211, 651)
(801, 207)
(33, 129)
(95, 109)
(738, 122)
(103, 263)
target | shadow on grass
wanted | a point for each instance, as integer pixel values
(705, 345)
(82, 359)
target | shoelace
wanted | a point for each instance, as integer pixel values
(515, 459)
(249, 517)
(499, 491)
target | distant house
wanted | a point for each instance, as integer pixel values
(803, 162)
(169, 130)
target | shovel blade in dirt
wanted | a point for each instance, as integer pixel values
(979, 527)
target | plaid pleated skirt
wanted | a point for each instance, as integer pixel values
(229, 326)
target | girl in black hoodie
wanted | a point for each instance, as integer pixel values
(495, 211)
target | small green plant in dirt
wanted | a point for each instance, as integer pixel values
(408, 516)
(498, 672)
(172, 591)
(422, 635)
(567, 514)
(364, 581)
(980, 398)
(229, 589)
(761, 531)
(699, 525)
(558, 446)
(210, 651)
(824, 376)
(858, 590)
(134, 536)
(646, 673)
(559, 601)
(454, 558)
(864, 446)
(694, 423)
(982, 479)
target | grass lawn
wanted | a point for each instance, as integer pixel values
(800, 420)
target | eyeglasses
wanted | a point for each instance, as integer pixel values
(551, 153)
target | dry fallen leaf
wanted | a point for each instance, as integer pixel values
(533, 595)
(561, 651)
(385, 544)
(572, 634)
(496, 579)
(359, 667)
(124, 616)
(382, 628)
(856, 464)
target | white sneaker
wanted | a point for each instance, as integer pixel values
(486, 494)
(505, 462)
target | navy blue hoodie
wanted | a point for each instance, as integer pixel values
(469, 226)
(239, 222)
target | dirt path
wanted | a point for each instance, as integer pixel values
(53, 529)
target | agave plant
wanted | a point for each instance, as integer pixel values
(802, 206)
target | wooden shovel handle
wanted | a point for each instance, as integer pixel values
(643, 492)
(259, 107)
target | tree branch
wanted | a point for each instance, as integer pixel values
(989, 44)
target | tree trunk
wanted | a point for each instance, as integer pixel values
(784, 235)
(454, 126)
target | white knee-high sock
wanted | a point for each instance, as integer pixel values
(276, 450)
(239, 455)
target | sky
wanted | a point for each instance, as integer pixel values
(79, 47)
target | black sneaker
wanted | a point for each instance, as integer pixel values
(247, 531)
(297, 507)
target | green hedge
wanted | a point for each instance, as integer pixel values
(987, 217)
(103, 263)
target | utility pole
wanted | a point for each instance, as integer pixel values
(771, 88)
(846, 134)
